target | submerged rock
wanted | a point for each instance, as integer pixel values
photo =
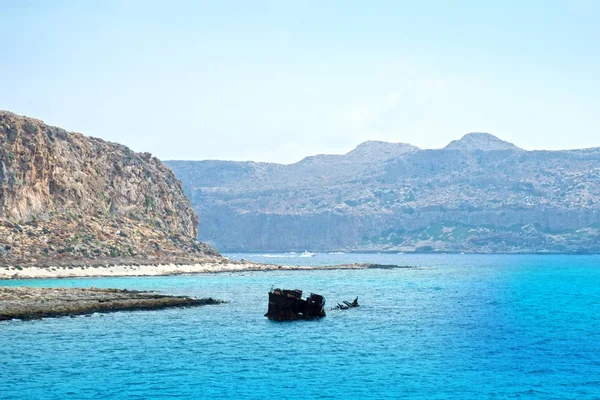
(27, 303)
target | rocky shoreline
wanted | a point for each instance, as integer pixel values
(26, 303)
(136, 269)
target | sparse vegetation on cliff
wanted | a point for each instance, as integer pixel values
(67, 198)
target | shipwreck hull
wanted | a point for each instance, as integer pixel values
(288, 305)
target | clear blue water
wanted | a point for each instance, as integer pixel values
(465, 326)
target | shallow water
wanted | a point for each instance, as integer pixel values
(463, 326)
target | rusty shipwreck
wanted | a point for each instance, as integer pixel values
(288, 305)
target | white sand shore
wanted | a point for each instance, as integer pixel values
(150, 270)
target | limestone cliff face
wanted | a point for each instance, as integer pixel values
(64, 195)
(479, 194)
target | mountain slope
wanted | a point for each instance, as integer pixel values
(479, 194)
(480, 141)
(65, 197)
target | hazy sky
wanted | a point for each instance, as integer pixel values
(279, 80)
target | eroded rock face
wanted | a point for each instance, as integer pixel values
(64, 195)
(479, 194)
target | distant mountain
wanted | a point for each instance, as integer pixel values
(68, 199)
(371, 151)
(480, 141)
(478, 194)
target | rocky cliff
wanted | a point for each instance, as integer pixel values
(67, 198)
(479, 194)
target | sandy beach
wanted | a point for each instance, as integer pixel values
(29, 272)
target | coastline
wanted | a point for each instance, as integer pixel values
(31, 272)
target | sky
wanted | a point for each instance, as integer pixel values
(280, 80)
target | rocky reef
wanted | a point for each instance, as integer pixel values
(28, 303)
(66, 198)
(479, 194)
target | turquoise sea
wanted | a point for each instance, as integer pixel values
(460, 327)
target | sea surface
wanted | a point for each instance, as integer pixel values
(457, 327)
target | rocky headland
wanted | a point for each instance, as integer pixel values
(27, 303)
(67, 199)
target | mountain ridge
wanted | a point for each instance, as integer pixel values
(481, 198)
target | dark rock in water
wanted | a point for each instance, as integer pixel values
(347, 304)
(288, 305)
